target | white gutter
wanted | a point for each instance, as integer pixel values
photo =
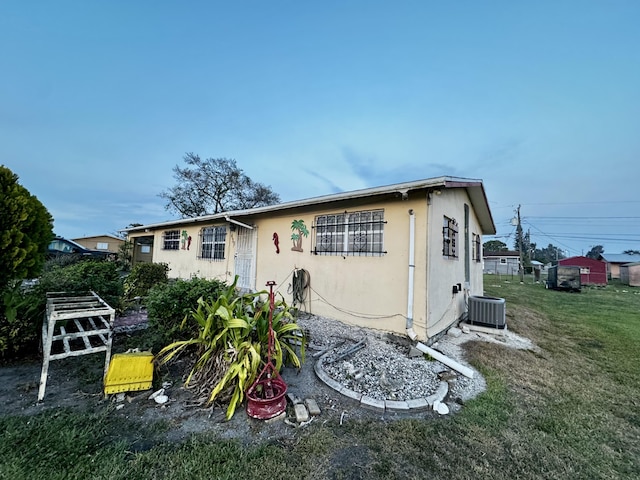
(231, 220)
(412, 247)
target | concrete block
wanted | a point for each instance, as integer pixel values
(372, 403)
(332, 383)
(312, 406)
(418, 404)
(302, 415)
(293, 398)
(347, 392)
(439, 394)
(454, 332)
(396, 405)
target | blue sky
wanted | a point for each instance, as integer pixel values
(541, 100)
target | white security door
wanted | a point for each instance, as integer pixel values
(245, 258)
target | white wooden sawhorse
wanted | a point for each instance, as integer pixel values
(74, 325)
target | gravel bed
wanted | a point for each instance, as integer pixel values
(377, 364)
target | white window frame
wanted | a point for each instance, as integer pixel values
(212, 243)
(171, 240)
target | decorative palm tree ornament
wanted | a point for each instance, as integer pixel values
(299, 230)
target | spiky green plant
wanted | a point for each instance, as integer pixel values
(232, 344)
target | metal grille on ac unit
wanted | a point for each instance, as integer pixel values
(487, 311)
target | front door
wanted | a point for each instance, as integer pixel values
(245, 258)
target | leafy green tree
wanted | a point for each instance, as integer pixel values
(632, 252)
(26, 228)
(494, 246)
(595, 251)
(214, 185)
(549, 254)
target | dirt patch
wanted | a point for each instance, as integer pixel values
(77, 383)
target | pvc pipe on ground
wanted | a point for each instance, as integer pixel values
(466, 371)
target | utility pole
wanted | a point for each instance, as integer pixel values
(519, 239)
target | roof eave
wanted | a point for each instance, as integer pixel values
(474, 188)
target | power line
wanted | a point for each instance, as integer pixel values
(581, 218)
(584, 203)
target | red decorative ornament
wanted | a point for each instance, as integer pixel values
(276, 242)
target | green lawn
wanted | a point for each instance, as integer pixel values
(570, 410)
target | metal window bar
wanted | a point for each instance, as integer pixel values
(212, 243)
(350, 233)
(219, 243)
(171, 240)
(449, 238)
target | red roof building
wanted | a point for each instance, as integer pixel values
(592, 272)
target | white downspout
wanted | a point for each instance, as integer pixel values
(412, 267)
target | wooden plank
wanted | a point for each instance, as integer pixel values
(73, 336)
(65, 339)
(96, 329)
(79, 314)
(77, 353)
(84, 335)
(89, 314)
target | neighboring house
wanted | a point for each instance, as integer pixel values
(592, 272)
(400, 258)
(104, 243)
(630, 274)
(506, 262)
(614, 260)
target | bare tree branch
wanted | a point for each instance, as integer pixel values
(214, 185)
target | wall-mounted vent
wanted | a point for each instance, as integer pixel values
(487, 311)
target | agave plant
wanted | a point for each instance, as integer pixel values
(232, 344)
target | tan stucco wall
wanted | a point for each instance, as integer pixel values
(444, 307)
(371, 291)
(92, 243)
(185, 263)
(365, 290)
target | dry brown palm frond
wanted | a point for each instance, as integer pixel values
(208, 376)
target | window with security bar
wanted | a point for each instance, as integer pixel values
(171, 240)
(450, 238)
(350, 233)
(212, 243)
(477, 250)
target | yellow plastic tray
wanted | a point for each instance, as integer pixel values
(129, 372)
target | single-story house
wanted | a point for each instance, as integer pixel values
(614, 260)
(630, 274)
(107, 243)
(506, 262)
(592, 271)
(400, 258)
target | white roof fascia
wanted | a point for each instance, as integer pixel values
(474, 188)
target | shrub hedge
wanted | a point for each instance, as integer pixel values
(22, 311)
(168, 304)
(143, 277)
